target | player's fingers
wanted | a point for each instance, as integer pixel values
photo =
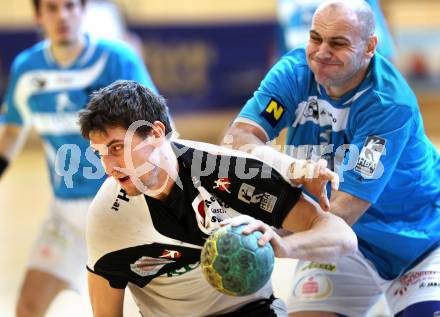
(310, 169)
(333, 178)
(323, 200)
(265, 238)
(335, 181)
(255, 225)
(236, 221)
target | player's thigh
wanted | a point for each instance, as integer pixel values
(348, 287)
(38, 290)
(60, 249)
(420, 284)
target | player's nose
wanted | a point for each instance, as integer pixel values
(109, 163)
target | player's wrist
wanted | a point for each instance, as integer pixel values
(284, 163)
(3, 164)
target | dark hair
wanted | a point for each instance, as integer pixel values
(36, 4)
(119, 105)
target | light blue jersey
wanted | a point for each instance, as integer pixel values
(387, 160)
(47, 97)
(295, 19)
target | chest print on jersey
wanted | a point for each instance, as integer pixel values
(209, 210)
(311, 109)
(147, 266)
(222, 184)
(63, 102)
(321, 113)
(39, 82)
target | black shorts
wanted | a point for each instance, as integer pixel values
(258, 308)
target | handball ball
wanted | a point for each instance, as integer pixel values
(234, 263)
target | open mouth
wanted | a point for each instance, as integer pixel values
(124, 179)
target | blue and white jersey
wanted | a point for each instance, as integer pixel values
(47, 97)
(374, 138)
(295, 19)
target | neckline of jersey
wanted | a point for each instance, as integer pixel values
(79, 59)
(347, 99)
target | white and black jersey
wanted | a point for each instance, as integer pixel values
(153, 247)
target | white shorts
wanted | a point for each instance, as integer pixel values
(60, 247)
(351, 286)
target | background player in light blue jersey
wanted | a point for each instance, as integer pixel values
(342, 101)
(49, 83)
(295, 18)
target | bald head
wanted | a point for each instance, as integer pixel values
(359, 11)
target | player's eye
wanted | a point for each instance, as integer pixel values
(338, 44)
(115, 149)
(315, 39)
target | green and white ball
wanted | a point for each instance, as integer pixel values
(234, 263)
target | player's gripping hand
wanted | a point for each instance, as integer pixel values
(310, 174)
(313, 176)
(269, 234)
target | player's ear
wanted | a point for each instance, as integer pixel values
(158, 133)
(371, 46)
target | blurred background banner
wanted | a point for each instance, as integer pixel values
(195, 66)
(12, 42)
(201, 67)
(201, 57)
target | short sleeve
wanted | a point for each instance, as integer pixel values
(114, 281)
(254, 189)
(273, 104)
(376, 147)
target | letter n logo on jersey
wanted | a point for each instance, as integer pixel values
(273, 112)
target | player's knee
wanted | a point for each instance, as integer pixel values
(431, 308)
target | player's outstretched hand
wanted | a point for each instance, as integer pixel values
(313, 176)
(269, 234)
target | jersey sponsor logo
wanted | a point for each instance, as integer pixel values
(313, 287)
(39, 82)
(147, 266)
(121, 196)
(273, 112)
(419, 279)
(246, 194)
(369, 157)
(63, 103)
(311, 109)
(322, 113)
(222, 184)
(249, 195)
(184, 269)
(268, 202)
(320, 266)
(209, 212)
(171, 254)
